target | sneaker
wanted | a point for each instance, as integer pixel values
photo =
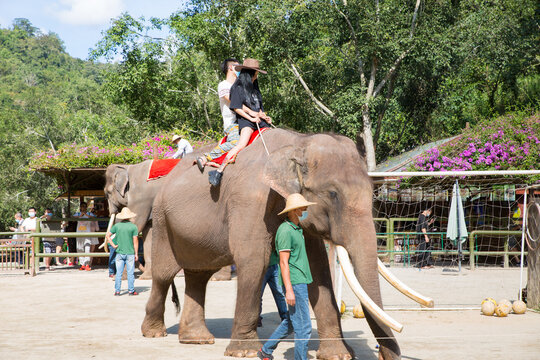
(133, 293)
(83, 267)
(117, 293)
(111, 276)
(88, 268)
(264, 356)
(200, 163)
(214, 177)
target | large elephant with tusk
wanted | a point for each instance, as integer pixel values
(202, 228)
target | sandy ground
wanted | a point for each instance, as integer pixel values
(68, 314)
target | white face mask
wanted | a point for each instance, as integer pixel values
(31, 213)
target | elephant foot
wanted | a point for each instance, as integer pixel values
(147, 275)
(153, 329)
(240, 349)
(334, 350)
(200, 336)
(222, 275)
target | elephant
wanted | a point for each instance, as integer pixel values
(126, 185)
(201, 228)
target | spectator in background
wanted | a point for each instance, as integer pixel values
(424, 244)
(85, 244)
(184, 147)
(17, 228)
(48, 243)
(29, 224)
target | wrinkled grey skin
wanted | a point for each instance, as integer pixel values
(126, 186)
(201, 229)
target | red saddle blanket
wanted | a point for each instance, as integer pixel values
(218, 161)
(161, 167)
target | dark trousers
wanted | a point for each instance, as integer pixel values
(112, 260)
(424, 256)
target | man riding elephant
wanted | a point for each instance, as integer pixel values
(201, 228)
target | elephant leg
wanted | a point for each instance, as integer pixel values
(192, 328)
(323, 302)
(147, 243)
(165, 269)
(251, 265)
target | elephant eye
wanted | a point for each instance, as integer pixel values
(333, 195)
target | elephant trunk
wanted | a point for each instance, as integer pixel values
(363, 254)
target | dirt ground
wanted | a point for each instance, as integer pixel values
(69, 314)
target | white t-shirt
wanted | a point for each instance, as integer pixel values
(184, 147)
(29, 224)
(229, 117)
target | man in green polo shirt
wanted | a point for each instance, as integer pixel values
(126, 244)
(295, 275)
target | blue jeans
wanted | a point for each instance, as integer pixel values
(129, 261)
(298, 321)
(112, 260)
(272, 279)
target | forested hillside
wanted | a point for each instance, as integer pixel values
(47, 99)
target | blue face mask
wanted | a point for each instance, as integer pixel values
(303, 216)
(237, 73)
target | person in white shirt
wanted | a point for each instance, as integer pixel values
(230, 125)
(29, 224)
(184, 147)
(86, 244)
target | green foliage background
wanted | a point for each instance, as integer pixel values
(466, 61)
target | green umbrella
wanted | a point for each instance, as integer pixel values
(457, 229)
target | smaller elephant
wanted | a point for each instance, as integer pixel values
(126, 185)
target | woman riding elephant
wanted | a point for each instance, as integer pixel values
(246, 102)
(241, 229)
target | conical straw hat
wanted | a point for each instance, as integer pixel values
(126, 214)
(295, 201)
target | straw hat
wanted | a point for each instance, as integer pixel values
(295, 201)
(252, 64)
(126, 214)
(176, 137)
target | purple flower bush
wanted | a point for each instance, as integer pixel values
(508, 142)
(87, 156)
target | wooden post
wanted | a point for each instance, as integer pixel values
(36, 246)
(155, 151)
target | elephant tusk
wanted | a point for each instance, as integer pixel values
(404, 289)
(111, 222)
(364, 298)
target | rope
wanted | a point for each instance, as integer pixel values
(264, 143)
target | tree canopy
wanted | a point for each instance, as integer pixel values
(396, 73)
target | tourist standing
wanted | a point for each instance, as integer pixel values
(422, 236)
(85, 244)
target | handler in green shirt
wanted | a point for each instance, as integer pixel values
(295, 275)
(126, 244)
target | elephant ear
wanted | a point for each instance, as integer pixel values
(285, 171)
(121, 180)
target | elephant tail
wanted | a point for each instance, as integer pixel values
(174, 298)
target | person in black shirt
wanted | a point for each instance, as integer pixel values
(246, 102)
(422, 228)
